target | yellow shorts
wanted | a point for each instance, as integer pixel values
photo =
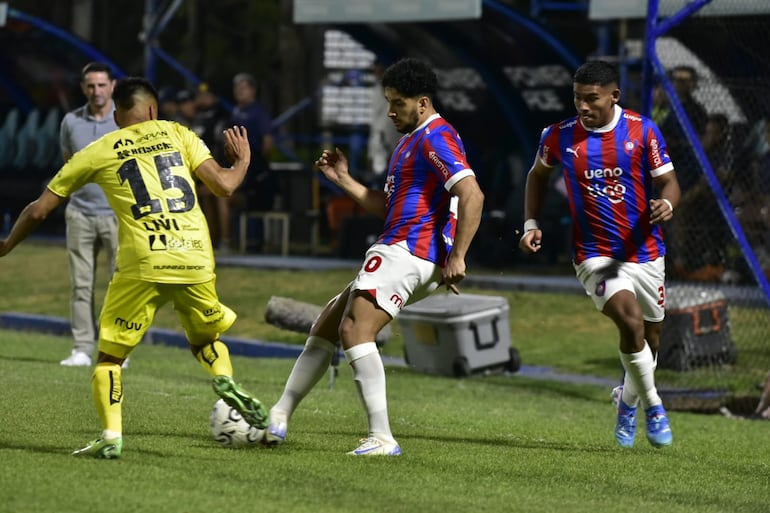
(130, 306)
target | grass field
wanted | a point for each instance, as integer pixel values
(487, 443)
(479, 444)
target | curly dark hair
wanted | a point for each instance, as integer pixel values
(596, 73)
(128, 89)
(412, 78)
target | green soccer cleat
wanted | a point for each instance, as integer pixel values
(249, 407)
(103, 449)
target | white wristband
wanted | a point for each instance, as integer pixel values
(671, 207)
(531, 224)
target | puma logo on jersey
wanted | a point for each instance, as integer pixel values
(573, 151)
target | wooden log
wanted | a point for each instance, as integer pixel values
(298, 316)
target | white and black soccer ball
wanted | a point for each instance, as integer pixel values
(230, 430)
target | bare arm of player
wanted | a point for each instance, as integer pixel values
(469, 207)
(30, 218)
(224, 181)
(534, 197)
(662, 210)
(334, 166)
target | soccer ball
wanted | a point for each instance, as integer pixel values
(229, 429)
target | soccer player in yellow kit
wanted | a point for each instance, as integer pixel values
(164, 251)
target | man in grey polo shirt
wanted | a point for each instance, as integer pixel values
(91, 223)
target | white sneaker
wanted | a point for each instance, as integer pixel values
(373, 446)
(77, 359)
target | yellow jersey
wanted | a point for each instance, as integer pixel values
(146, 173)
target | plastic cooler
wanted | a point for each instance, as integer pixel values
(696, 331)
(457, 335)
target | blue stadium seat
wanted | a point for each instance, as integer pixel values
(8, 138)
(26, 141)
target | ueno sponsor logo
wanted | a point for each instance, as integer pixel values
(607, 172)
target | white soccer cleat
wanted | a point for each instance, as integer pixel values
(277, 428)
(77, 359)
(373, 446)
(275, 433)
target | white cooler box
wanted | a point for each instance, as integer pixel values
(457, 335)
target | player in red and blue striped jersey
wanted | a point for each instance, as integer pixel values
(425, 164)
(608, 176)
(423, 244)
(621, 185)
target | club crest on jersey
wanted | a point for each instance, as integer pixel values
(629, 146)
(601, 288)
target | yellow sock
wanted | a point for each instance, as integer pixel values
(215, 358)
(107, 389)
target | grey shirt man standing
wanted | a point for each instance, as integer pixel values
(91, 223)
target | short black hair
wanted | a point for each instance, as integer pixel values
(600, 73)
(412, 78)
(129, 88)
(96, 67)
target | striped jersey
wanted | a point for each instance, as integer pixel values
(424, 166)
(608, 175)
(145, 170)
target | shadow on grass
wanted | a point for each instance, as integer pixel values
(515, 443)
(26, 359)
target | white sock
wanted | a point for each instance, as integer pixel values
(640, 373)
(369, 375)
(629, 396)
(110, 435)
(310, 367)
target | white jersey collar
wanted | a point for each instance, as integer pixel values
(425, 123)
(617, 111)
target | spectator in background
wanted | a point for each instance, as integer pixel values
(211, 118)
(383, 135)
(717, 142)
(259, 189)
(661, 109)
(186, 108)
(685, 81)
(167, 107)
(756, 208)
(704, 262)
(762, 410)
(91, 225)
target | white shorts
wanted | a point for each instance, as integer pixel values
(394, 277)
(602, 277)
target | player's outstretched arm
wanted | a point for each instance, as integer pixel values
(334, 166)
(29, 219)
(224, 181)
